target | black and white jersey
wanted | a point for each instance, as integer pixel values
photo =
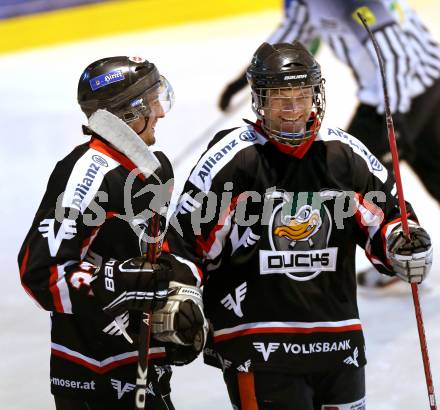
(411, 56)
(95, 208)
(273, 239)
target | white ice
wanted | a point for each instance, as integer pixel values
(40, 123)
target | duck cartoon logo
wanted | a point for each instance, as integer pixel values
(299, 238)
(300, 227)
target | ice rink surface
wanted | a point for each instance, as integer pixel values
(40, 123)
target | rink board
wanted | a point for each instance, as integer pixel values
(96, 20)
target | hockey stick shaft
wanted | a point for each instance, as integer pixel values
(142, 367)
(125, 140)
(390, 129)
(145, 324)
(404, 216)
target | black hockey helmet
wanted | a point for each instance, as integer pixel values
(286, 66)
(124, 86)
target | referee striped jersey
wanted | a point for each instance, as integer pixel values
(411, 55)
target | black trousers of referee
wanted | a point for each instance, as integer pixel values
(417, 133)
(340, 389)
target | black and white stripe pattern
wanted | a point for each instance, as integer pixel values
(296, 26)
(135, 295)
(396, 63)
(412, 60)
(411, 56)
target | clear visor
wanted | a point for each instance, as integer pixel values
(165, 94)
(155, 102)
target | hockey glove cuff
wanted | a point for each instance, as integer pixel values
(181, 321)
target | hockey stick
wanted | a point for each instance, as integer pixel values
(125, 140)
(208, 133)
(145, 325)
(120, 135)
(395, 159)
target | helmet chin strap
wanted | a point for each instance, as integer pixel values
(146, 119)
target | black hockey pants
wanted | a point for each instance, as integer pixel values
(123, 396)
(417, 133)
(341, 390)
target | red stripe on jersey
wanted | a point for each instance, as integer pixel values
(159, 355)
(106, 368)
(24, 262)
(297, 330)
(205, 245)
(87, 241)
(370, 207)
(101, 146)
(375, 210)
(200, 273)
(92, 367)
(166, 247)
(23, 267)
(359, 218)
(56, 297)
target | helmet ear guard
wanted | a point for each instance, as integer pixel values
(291, 74)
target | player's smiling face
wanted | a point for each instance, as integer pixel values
(288, 109)
(148, 123)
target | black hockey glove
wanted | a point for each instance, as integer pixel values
(182, 323)
(411, 259)
(135, 284)
(230, 90)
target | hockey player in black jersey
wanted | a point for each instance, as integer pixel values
(412, 67)
(88, 255)
(271, 215)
